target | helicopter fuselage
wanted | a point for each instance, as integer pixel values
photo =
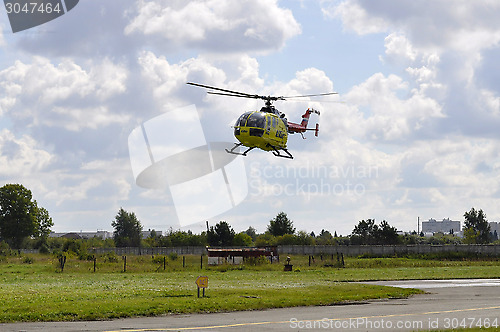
(268, 128)
(263, 130)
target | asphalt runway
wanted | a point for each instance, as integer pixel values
(448, 304)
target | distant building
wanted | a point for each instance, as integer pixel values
(101, 234)
(83, 235)
(146, 234)
(495, 226)
(495, 230)
(446, 226)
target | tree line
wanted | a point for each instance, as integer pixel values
(281, 231)
(24, 224)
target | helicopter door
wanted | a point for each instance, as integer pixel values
(269, 120)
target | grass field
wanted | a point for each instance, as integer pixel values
(33, 288)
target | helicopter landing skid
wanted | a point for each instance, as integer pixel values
(277, 153)
(237, 145)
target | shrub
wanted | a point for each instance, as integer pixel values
(255, 261)
(28, 260)
(44, 249)
(110, 257)
(158, 259)
(5, 249)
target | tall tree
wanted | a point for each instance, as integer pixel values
(252, 232)
(242, 240)
(221, 235)
(367, 232)
(20, 216)
(44, 222)
(128, 229)
(280, 225)
(325, 238)
(387, 234)
(477, 229)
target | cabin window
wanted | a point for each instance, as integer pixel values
(256, 132)
(257, 120)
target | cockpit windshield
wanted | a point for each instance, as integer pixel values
(257, 120)
(242, 120)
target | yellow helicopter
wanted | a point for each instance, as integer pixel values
(266, 129)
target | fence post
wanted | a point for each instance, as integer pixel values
(62, 262)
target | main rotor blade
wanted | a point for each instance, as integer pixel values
(322, 101)
(315, 95)
(232, 95)
(223, 90)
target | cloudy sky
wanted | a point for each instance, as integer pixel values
(413, 133)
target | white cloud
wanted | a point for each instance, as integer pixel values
(102, 182)
(440, 50)
(439, 24)
(396, 112)
(464, 28)
(22, 156)
(356, 18)
(216, 25)
(311, 81)
(59, 90)
(399, 47)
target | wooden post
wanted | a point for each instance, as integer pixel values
(164, 263)
(95, 259)
(124, 263)
(183, 261)
(309, 260)
(201, 262)
(62, 262)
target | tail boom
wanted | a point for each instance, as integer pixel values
(302, 127)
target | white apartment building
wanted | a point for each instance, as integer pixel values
(445, 226)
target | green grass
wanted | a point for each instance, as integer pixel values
(35, 289)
